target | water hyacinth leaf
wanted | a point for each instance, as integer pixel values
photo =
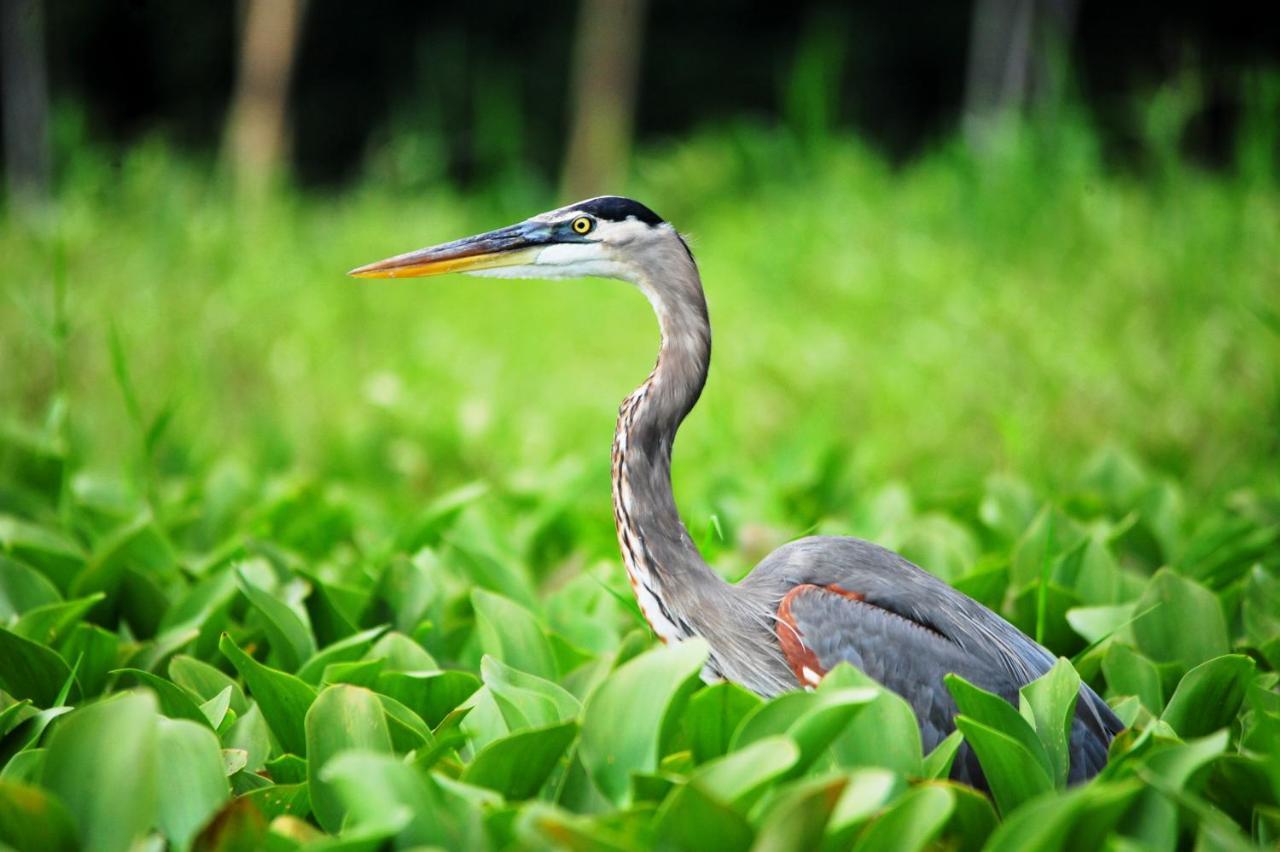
(1013, 771)
(277, 800)
(865, 793)
(1209, 696)
(343, 651)
(994, 712)
(739, 777)
(713, 715)
(910, 823)
(937, 763)
(402, 654)
(1179, 621)
(341, 718)
(31, 671)
(690, 819)
(795, 818)
(1049, 703)
(50, 552)
(408, 730)
(288, 635)
(175, 702)
(883, 733)
(138, 543)
(1130, 673)
(432, 695)
(282, 698)
(250, 734)
(32, 820)
(626, 718)
(23, 588)
(357, 673)
(192, 779)
(526, 700)
(373, 787)
(238, 827)
(216, 708)
(96, 651)
(973, 819)
(101, 763)
(518, 765)
(510, 633)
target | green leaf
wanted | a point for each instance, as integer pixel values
(864, 794)
(713, 715)
(289, 636)
(201, 679)
(23, 588)
(690, 819)
(283, 698)
(510, 633)
(54, 554)
(518, 765)
(402, 654)
(1184, 624)
(341, 718)
(526, 700)
(432, 695)
(96, 650)
(794, 819)
(194, 783)
(1014, 773)
(740, 777)
(1130, 673)
(101, 763)
(250, 733)
(1209, 696)
(937, 764)
(884, 733)
(626, 718)
(1080, 819)
(175, 702)
(1050, 701)
(811, 720)
(30, 670)
(31, 820)
(344, 650)
(994, 712)
(373, 788)
(910, 823)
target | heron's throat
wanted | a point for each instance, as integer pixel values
(664, 566)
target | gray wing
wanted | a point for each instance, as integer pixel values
(850, 600)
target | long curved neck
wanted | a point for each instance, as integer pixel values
(666, 570)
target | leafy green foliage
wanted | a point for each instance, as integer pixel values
(338, 592)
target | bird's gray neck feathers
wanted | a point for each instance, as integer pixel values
(666, 570)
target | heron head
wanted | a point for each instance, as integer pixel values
(606, 237)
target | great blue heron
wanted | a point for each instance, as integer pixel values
(810, 604)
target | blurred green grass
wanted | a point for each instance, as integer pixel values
(931, 323)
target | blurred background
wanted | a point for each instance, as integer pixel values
(1007, 240)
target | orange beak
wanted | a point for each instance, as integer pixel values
(512, 246)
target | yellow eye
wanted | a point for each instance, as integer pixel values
(582, 225)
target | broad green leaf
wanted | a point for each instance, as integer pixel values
(1130, 673)
(216, 708)
(1014, 773)
(96, 651)
(973, 819)
(372, 787)
(864, 794)
(1050, 704)
(526, 700)
(408, 730)
(250, 733)
(344, 650)
(713, 715)
(690, 819)
(1209, 696)
(341, 718)
(32, 820)
(739, 777)
(1078, 820)
(23, 588)
(883, 733)
(795, 818)
(288, 634)
(30, 670)
(202, 679)
(518, 765)
(283, 698)
(937, 763)
(402, 654)
(910, 823)
(138, 543)
(540, 826)
(1180, 621)
(175, 702)
(811, 720)
(626, 718)
(510, 633)
(53, 553)
(192, 782)
(281, 800)
(432, 695)
(994, 712)
(238, 827)
(101, 762)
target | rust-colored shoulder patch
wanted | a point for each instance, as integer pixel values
(800, 657)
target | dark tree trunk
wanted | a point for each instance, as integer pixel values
(605, 70)
(26, 102)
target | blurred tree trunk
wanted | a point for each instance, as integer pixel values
(257, 125)
(606, 59)
(26, 102)
(1016, 57)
